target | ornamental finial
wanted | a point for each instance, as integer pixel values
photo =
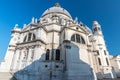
(57, 5)
(16, 25)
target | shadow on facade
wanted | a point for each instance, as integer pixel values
(69, 68)
(77, 69)
(102, 76)
(32, 71)
(107, 76)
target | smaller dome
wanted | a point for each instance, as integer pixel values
(56, 9)
(96, 24)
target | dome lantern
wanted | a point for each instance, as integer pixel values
(57, 5)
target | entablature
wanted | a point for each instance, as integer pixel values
(31, 44)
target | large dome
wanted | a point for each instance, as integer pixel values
(56, 9)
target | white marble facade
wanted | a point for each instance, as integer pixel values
(115, 63)
(56, 47)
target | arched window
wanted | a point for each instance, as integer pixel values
(33, 38)
(95, 29)
(77, 38)
(29, 37)
(82, 40)
(105, 52)
(73, 38)
(32, 54)
(107, 61)
(25, 39)
(57, 54)
(99, 61)
(47, 54)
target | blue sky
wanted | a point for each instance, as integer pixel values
(106, 12)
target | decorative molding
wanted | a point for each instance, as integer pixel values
(12, 45)
(11, 49)
(89, 45)
(34, 41)
(56, 13)
(13, 31)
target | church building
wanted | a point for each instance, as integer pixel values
(56, 47)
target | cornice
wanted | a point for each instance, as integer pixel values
(73, 30)
(34, 41)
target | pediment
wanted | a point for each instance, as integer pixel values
(78, 28)
(28, 27)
